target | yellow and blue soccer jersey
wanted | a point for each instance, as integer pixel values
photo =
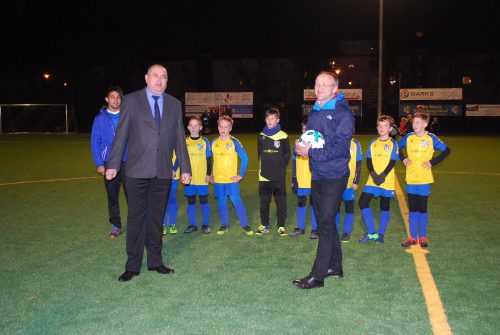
(199, 151)
(301, 170)
(381, 153)
(225, 159)
(356, 156)
(420, 149)
(175, 166)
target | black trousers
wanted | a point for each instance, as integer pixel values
(147, 199)
(326, 196)
(113, 191)
(268, 189)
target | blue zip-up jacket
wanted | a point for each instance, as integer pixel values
(103, 132)
(335, 122)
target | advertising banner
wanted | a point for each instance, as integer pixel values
(430, 94)
(349, 94)
(354, 95)
(434, 109)
(482, 110)
(215, 104)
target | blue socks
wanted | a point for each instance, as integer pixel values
(301, 217)
(384, 221)
(314, 225)
(414, 224)
(366, 213)
(205, 212)
(422, 224)
(191, 214)
(348, 223)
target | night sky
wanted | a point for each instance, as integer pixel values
(43, 34)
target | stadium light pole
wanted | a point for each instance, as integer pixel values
(380, 53)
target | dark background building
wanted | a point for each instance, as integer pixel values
(274, 49)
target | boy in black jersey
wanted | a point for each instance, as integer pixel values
(273, 149)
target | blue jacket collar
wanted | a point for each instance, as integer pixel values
(330, 104)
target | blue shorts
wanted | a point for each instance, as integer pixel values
(419, 189)
(303, 192)
(224, 190)
(379, 191)
(190, 190)
(349, 194)
(175, 184)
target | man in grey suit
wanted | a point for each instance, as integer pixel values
(151, 124)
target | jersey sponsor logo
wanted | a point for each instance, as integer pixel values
(277, 144)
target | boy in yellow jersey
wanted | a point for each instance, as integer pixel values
(226, 150)
(301, 185)
(381, 157)
(273, 150)
(200, 157)
(172, 206)
(420, 146)
(350, 192)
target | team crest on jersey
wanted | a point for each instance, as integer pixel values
(228, 146)
(277, 144)
(424, 144)
(386, 148)
(329, 117)
(200, 146)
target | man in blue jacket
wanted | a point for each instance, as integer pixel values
(329, 165)
(103, 132)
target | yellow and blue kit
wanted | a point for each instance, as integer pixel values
(349, 193)
(200, 157)
(301, 184)
(420, 149)
(225, 165)
(381, 157)
(170, 216)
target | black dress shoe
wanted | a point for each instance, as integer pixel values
(161, 269)
(308, 282)
(127, 275)
(334, 274)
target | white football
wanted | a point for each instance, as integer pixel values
(314, 138)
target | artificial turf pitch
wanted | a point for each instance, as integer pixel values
(58, 269)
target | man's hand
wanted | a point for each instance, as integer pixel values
(111, 174)
(354, 187)
(101, 169)
(186, 178)
(407, 161)
(302, 150)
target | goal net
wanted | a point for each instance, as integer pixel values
(37, 118)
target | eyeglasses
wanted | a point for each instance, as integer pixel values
(156, 76)
(323, 85)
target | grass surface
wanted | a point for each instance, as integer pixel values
(59, 271)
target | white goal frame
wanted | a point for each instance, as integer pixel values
(36, 105)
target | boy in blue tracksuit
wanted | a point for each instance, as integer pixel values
(103, 132)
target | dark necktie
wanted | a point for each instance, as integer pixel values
(157, 111)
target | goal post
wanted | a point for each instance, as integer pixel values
(37, 118)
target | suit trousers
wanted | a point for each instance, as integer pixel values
(147, 198)
(113, 191)
(326, 196)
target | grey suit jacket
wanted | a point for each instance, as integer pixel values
(150, 149)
